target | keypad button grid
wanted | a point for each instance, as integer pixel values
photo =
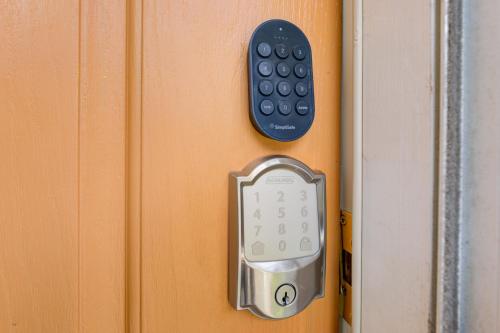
(291, 63)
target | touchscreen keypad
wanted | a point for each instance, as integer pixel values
(280, 218)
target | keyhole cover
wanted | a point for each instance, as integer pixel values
(285, 294)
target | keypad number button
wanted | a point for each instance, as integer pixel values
(303, 195)
(284, 88)
(300, 71)
(303, 211)
(257, 229)
(301, 89)
(284, 107)
(282, 229)
(264, 49)
(299, 52)
(266, 87)
(265, 68)
(282, 51)
(283, 69)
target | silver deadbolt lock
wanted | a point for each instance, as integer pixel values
(277, 237)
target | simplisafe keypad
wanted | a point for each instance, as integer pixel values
(280, 81)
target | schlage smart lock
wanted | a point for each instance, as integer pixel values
(277, 237)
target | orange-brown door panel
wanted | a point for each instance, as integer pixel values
(62, 172)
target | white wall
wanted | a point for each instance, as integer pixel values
(482, 166)
(398, 150)
(398, 183)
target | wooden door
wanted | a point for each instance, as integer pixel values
(120, 122)
(62, 171)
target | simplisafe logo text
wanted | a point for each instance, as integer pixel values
(281, 127)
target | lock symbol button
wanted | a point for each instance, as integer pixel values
(305, 244)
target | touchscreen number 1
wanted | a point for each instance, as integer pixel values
(257, 229)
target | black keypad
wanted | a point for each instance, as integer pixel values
(281, 81)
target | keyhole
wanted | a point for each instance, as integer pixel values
(285, 298)
(285, 294)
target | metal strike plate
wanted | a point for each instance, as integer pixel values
(277, 237)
